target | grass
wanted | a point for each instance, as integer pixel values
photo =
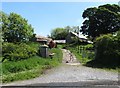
(29, 68)
(22, 75)
(117, 69)
(85, 60)
(60, 45)
(75, 51)
(33, 44)
(107, 67)
(82, 58)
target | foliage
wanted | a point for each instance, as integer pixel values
(108, 50)
(15, 52)
(34, 45)
(73, 28)
(19, 66)
(74, 39)
(59, 33)
(101, 20)
(22, 75)
(82, 52)
(15, 28)
(58, 54)
(33, 38)
(29, 68)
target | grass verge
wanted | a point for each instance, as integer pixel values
(29, 68)
(84, 60)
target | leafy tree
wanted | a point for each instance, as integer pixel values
(15, 28)
(15, 52)
(3, 24)
(68, 28)
(102, 20)
(108, 50)
(59, 33)
(73, 28)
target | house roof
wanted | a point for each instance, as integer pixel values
(42, 38)
(81, 36)
(60, 41)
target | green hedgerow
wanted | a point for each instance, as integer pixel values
(108, 49)
(29, 68)
(15, 52)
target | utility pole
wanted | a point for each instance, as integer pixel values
(78, 30)
(78, 37)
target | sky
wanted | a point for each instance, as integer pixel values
(46, 16)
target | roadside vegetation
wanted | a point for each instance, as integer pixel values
(88, 57)
(104, 30)
(20, 52)
(29, 68)
(102, 27)
(82, 52)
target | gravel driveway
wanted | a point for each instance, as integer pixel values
(71, 72)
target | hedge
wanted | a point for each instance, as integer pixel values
(15, 52)
(108, 50)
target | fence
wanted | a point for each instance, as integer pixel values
(84, 51)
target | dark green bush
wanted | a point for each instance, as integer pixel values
(31, 63)
(15, 52)
(28, 64)
(89, 47)
(108, 50)
(29, 68)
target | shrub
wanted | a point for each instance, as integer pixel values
(14, 52)
(107, 50)
(89, 47)
(29, 68)
(31, 63)
(23, 65)
(84, 53)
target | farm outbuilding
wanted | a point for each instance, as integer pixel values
(81, 37)
(42, 39)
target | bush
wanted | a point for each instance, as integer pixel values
(28, 64)
(89, 47)
(108, 50)
(14, 52)
(84, 53)
(21, 75)
(31, 63)
(29, 68)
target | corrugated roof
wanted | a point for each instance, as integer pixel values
(42, 38)
(79, 36)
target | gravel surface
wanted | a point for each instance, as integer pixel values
(71, 72)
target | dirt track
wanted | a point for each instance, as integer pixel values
(70, 72)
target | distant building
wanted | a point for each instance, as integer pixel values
(42, 39)
(60, 41)
(80, 36)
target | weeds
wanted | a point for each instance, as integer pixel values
(29, 68)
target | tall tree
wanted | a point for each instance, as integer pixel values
(59, 33)
(4, 24)
(73, 28)
(15, 28)
(101, 20)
